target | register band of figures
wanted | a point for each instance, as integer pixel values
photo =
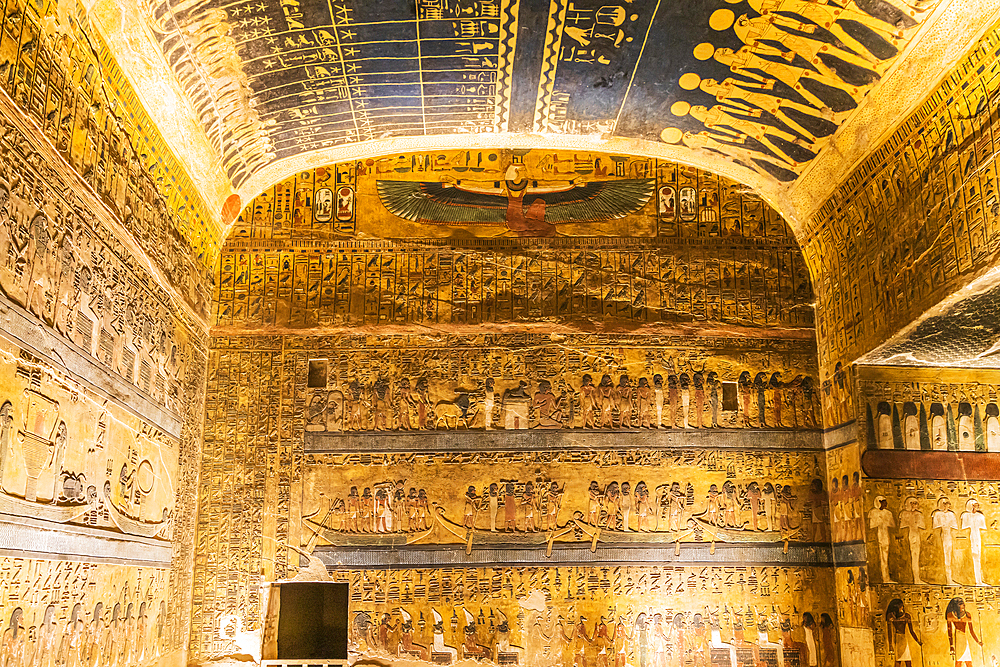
(942, 548)
(699, 399)
(730, 511)
(939, 426)
(60, 270)
(114, 635)
(906, 645)
(650, 638)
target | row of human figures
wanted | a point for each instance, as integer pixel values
(648, 638)
(61, 273)
(113, 636)
(681, 400)
(942, 533)
(802, 66)
(526, 507)
(938, 426)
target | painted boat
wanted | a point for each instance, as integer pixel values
(56, 513)
(131, 526)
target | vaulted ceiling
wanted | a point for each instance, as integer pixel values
(759, 90)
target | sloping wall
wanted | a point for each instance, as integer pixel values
(102, 357)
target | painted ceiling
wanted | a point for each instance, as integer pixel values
(765, 83)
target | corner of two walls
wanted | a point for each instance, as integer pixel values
(913, 224)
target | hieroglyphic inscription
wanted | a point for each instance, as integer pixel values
(595, 615)
(66, 613)
(57, 70)
(915, 219)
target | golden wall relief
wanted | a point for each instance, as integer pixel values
(540, 498)
(82, 614)
(521, 381)
(353, 283)
(57, 70)
(35, 175)
(914, 220)
(263, 495)
(62, 264)
(508, 194)
(596, 616)
(70, 455)
(251, 455)
(932, 411)
(932, 532)
(935, 626)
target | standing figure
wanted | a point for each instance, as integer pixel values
(58, 457)
(959, 630)
(640, 634)
(612, 506)
(605, 394)
(422, 399)
(974, 521)
(642, 507)
(489, 400)
(745, 385)
(678, 646)
(494, 502)
(399, 507)
(731, 505)
(674, 398)
(622, 397)
(713, 386)
(412, 502)
(423, 510)
(900, 630)
(698, 380)
(593, 503)
(770, 501)
(777, 390)
(943, 518)
(713, 515)
(685, 385)
(819, 503)
(828, 631)
(510, 509)
(471, 507)
(753, 498)
(588, 400)
(857, 507)
(811, 641)
(786, 508)
(912, 519)
(760, 384)
(880, 520)
(645, 396)
(407, 403)
(353, 510)
(676, 500)
(621, 640)
(530, 504)
(552, 509)
(659, 642)
(626, 505)
(836, 514)
(658, 398)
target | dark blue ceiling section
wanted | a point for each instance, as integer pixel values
(763, 82)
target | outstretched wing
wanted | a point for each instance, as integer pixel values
(599, 200)
(433, 202)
